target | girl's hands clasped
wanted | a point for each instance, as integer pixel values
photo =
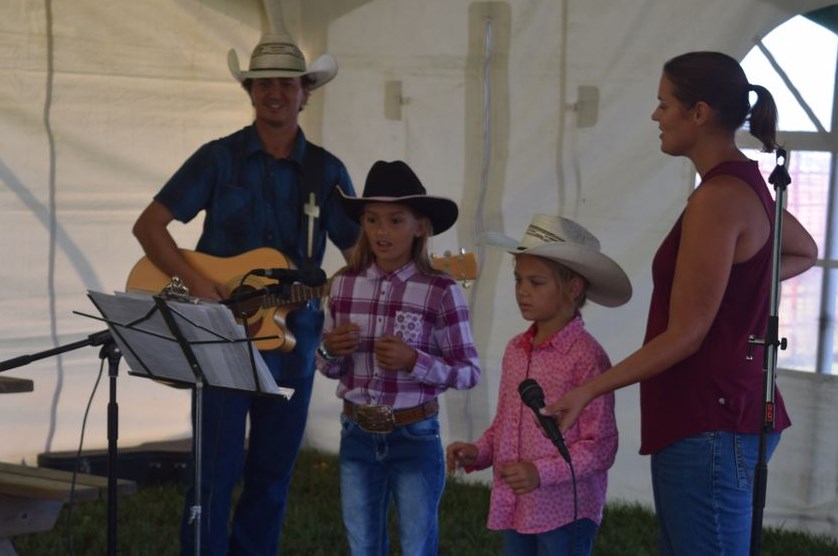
(392, 354)
(343, 339)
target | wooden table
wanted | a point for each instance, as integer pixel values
(31, 512)
(12, 385)
(32, 497)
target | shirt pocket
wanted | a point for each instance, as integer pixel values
(407, 325)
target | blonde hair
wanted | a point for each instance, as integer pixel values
(563, 276)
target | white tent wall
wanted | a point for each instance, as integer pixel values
(137, 87)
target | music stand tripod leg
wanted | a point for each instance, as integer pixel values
(195, 510)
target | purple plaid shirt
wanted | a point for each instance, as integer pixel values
(427, 311)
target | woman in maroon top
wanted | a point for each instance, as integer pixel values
(700, 397)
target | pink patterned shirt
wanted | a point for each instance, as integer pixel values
(427, 311)
(568, 358)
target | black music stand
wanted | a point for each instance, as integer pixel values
(181, 341)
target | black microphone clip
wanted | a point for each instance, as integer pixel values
(533, 397)
(779, 177)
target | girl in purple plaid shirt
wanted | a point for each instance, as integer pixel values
(397, 335)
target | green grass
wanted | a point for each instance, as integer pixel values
(149, 519)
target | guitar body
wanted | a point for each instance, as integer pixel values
(264, 320)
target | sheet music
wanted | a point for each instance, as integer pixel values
(150, 349)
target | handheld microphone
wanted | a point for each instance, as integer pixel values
(533, 396)
(309, 276)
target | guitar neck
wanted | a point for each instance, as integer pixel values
(297, 293)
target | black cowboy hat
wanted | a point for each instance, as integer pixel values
(395, 182)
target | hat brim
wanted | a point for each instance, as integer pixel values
(323, 70)
(608, 284)
(440, 211)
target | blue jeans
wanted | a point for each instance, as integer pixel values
(405, 466)
(552, 543)
(703, 489)
(276, 432)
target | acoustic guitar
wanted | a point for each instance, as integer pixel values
(264, 315)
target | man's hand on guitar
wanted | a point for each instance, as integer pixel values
(205, 288)
(343, 340)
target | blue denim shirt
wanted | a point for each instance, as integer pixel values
(253, 199)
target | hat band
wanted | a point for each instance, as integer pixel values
(274, 68)
(543, 235)
(269, 48)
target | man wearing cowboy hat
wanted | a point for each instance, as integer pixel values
(262, 186)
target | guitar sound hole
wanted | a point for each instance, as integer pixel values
(249, 307)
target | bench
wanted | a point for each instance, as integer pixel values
(32, 497)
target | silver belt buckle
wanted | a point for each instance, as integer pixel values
(375, 418)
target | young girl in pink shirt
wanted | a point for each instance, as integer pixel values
(558, 265)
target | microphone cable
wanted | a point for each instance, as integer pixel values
(72, 500)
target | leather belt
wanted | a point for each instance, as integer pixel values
(383, 418)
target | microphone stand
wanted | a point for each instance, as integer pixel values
(110, 351)
(780, 179)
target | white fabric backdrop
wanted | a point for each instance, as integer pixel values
(89, 133)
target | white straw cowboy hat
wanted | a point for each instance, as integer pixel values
(395, 182)
(570, 244)
(276, 55)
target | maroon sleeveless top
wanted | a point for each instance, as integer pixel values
(716, 388)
